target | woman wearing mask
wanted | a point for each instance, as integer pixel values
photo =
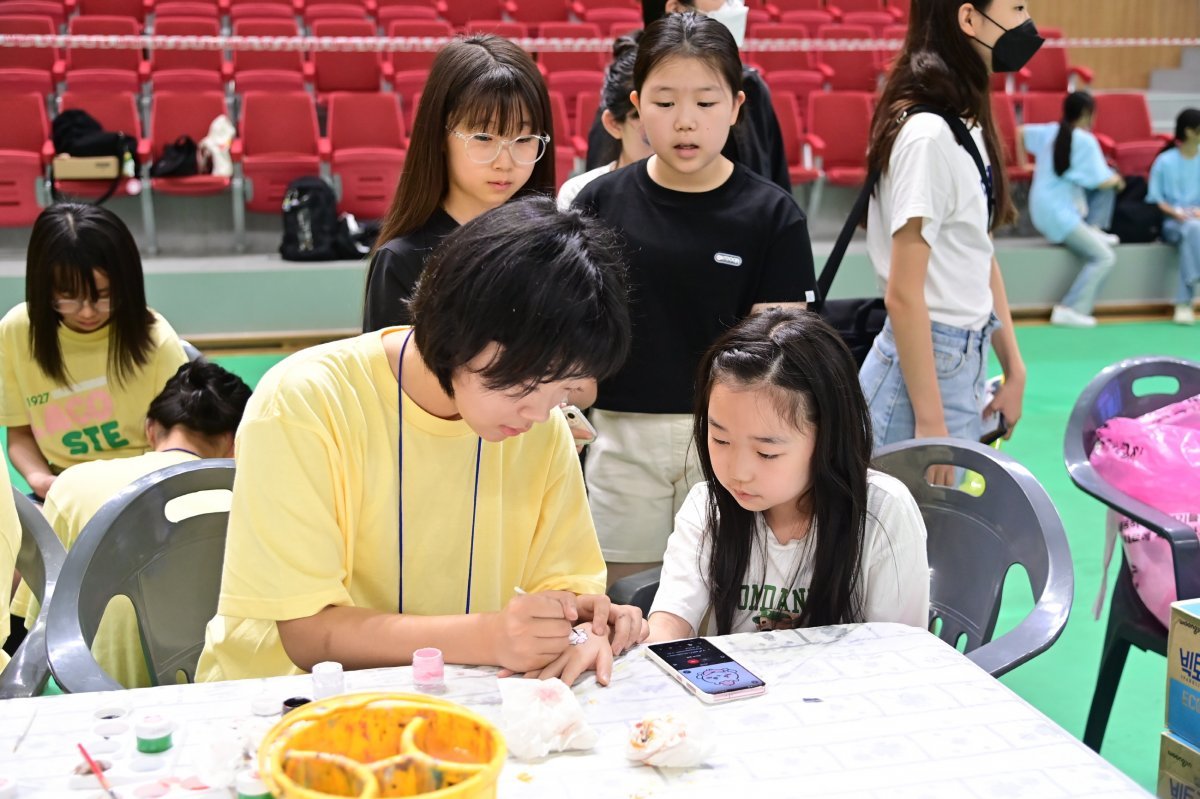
(930, 222)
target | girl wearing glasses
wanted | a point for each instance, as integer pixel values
(481, 130)
(83, 356)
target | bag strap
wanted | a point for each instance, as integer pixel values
(859, 211)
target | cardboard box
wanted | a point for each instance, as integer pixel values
(102, 167)
(1178, 769)
(1183, 671)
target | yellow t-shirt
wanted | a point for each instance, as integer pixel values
(315, 509)
(10, 544)
(94, 417)
(71, 502)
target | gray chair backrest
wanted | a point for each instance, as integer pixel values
(170, 571)
(39, 560)
(1111, 393)
(974, 541)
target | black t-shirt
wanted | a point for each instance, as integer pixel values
(755, 141)
(395, 267)
(697, 263)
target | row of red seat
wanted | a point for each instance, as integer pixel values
(99, 69)
(833, 143)
(461, 12)
(457, 12)
(278, 140)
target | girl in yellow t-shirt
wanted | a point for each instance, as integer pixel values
(194, 417)
(83, 356)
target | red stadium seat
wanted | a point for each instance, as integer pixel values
(839, 123)
(28, 69)
(533, 12)
(407, 61)
(268, 70)
(580, 60)
(366, 140)
(852, 70)
(24, 152)
(1042, 107)
(1004, 110)
(800, 170)
(345, 71)
(570, 84)
(116, 112)
(95, 69)
(278, 144)
(187, 70)
(49, 9)
(132, 9)
(798, 83)
(1123, 127)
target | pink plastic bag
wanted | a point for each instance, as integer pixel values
(1155, 459)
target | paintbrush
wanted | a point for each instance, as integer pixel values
(24, 732)
(97, 772)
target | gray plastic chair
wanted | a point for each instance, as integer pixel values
(1111, 394)
(973, 541)
(39, 560)
(170, 571)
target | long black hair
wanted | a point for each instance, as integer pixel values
(1075, 106)
(618, 83)
(937, 65)
(1188, 119)
(812, 378)
(68, 243)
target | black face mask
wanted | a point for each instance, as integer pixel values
(1015, 46)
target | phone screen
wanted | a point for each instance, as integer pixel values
(705, 666)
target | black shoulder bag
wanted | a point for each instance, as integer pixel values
(859, 321)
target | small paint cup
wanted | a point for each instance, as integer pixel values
(250, 786)
(328, 679)
(429, 670)
(153, 734)
(294, 702)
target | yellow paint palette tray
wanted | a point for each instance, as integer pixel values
(382, 745)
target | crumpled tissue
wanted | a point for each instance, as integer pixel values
(542, 716)
(670, 740)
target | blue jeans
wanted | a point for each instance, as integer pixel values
(1185, 236)
(1088, 244)
(960, 357)
(1101, 204)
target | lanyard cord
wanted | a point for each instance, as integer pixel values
(400, 479)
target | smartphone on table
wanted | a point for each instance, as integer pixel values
(702, 668)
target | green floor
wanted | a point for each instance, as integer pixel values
(1060, 682)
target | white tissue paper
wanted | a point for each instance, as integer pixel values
(542, 716)
(670, 740)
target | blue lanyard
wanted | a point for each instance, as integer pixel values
(400, 484)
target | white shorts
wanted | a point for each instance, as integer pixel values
(638, 472)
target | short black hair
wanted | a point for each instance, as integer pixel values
(547, 286)
(203, 397)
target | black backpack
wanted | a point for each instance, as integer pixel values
(310, 223)
(1136, 221)
(178, 160)
(77, 133)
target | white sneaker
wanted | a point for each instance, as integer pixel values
(1069, 317)
(1184, 315)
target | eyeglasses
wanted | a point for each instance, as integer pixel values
(74, 306)
(483, 148)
